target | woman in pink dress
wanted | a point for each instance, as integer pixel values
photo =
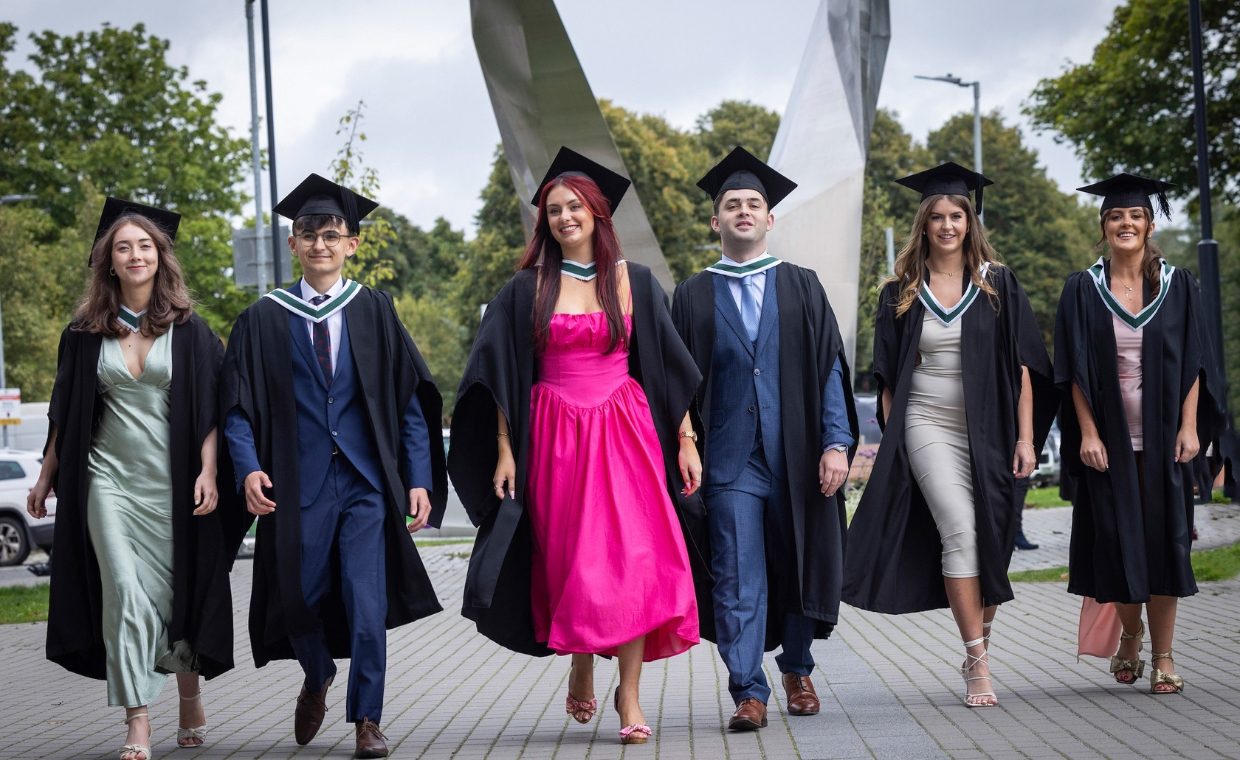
(573, 452)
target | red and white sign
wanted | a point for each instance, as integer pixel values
(10, 406)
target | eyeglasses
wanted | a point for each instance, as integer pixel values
(331, 238)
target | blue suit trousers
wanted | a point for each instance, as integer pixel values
(347, 514)
(739, 516)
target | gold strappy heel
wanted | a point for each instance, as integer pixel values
(1158, 677)
(1120, 665)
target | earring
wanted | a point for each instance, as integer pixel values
(112, 271)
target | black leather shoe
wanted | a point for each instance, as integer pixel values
(1023, 543)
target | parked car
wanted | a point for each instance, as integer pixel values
(1047, 471)
(19, 532)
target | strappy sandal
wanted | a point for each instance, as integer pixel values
(189, 738)
(582, 710)
(1120, 665)
(1159, 678)
(635, 733)
(129, 750)
(971, 662)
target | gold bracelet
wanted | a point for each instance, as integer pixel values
(1027, 443)
(501, 435)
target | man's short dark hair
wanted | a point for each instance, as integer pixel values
(316, 222)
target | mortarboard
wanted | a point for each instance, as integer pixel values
(1126, 190)
(115, 208)
(319, 195)
(570, 162)
(947, 179)
(742, 170)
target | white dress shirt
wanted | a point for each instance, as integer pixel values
(736, 283)
(334, 323)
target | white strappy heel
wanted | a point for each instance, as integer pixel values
(971, 662)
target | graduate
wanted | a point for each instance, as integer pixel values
(333, 422)
(140, 582)
(1141, 403)
(778, 430)
(966, 400)
(573, 453)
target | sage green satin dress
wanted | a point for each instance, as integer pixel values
(129, 516)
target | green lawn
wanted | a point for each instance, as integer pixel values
(23, 604)
(1044, 497)
(1219, 564)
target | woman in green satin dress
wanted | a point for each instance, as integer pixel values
(119, 482)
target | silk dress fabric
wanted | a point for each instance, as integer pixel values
(1128, 360)
(129, 519)
(609, 557)
(937, 438)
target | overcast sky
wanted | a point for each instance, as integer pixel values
(429, 121)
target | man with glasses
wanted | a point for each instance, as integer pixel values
(333, 423)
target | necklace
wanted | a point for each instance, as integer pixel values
(945, 274)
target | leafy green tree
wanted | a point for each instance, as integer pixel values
(442, 339)
(368, 265)
(733, 123)
(423, 262)
(1131, 105)
(105, 112)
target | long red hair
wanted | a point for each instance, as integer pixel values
(545, 252)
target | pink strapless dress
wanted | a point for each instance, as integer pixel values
(609, 561)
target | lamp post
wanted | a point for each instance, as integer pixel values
(977, 112)
(4, 437)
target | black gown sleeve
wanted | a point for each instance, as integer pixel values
(886, 347)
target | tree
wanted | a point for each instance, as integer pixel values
(733, 123)
(1131, 105)
(349, 169)
(104, 112)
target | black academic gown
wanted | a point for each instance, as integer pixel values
(809, 344)
(1127, 545)
(894, 563)
(257, 379)
(501, 371)
(201, 597)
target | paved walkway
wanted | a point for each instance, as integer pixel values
(890, 689)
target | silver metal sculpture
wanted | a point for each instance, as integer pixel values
(542, 100)
(822, 143)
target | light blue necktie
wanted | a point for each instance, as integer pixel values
(750, 314)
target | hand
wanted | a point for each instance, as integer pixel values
(1186, 444)
(206, 496)
(255, 501)
(505, 475)
(690, 466)
(36, 500)
(832, 471)
(419, 508)
(1023, 460)
(1093, 453)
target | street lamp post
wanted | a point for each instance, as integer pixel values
(977, 112)
(4, 437)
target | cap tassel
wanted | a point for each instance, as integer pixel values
(349, 203)
(1163, 205)
(979, 199)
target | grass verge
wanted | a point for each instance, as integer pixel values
(1221, 564)
(23, 604)
(1047, 496)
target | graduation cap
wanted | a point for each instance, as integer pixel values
(570, 162)
(1126, 190)
(947, 179)
(318, 195)
(115, 208)
(742, 170)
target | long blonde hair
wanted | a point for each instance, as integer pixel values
(911, 261)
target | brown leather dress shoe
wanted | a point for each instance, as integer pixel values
(750, 715)
(370, 740)
(311, 707)
(802, 699)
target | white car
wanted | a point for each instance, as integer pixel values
(19, 532)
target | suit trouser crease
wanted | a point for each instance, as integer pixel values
(347, 517)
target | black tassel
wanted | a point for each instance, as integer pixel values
(349, 202)
(1163, 205)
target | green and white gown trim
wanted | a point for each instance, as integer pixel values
(583, 272)
(131, 320)
(942, 313)
(1097, 273)
(304, 308)
(753, 266)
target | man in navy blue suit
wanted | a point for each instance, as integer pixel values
(778, 431)
(333, 424)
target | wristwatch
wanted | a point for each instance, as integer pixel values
(691, 434)
(840, 448)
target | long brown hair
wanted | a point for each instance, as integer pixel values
(101, 303)
(1151, 259)
(911, 261)
(545, 252)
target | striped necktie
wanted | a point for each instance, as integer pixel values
(323, 342)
